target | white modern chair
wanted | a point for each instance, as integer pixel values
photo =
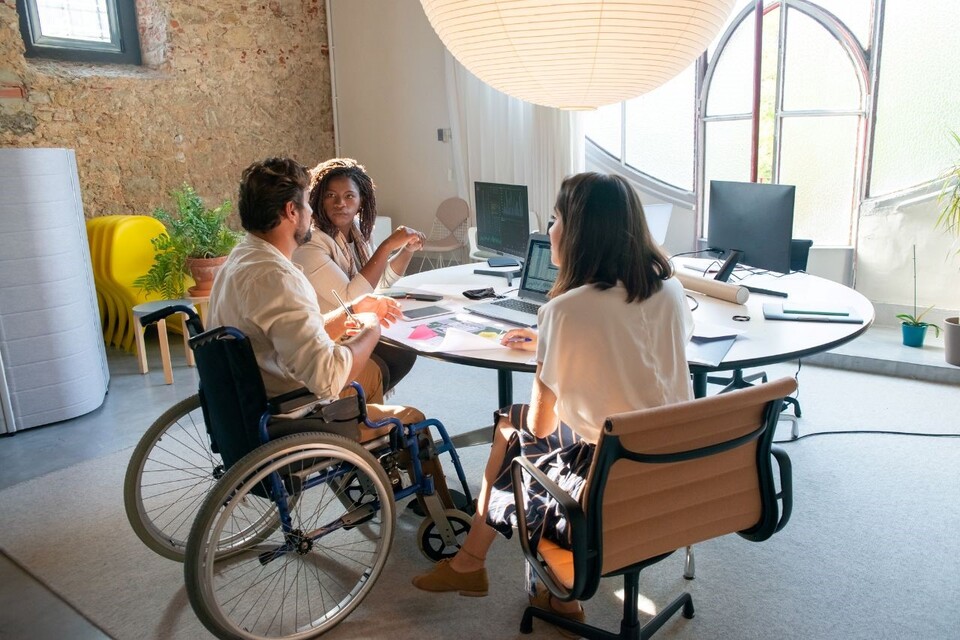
(476, 255)
(448, 234)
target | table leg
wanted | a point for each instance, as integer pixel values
(504, 388)
(699, 385)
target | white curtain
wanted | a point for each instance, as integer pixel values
(498, 138)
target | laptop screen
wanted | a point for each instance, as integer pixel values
(539, 273)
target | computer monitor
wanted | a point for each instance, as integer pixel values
(754, 218)
(503, 219)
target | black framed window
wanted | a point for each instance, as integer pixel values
(80, 30)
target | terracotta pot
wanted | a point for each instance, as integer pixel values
(203, 270)
(951, 340)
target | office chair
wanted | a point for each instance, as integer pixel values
(799, 253)
(448, 233)
(476, 253)
(661, 479)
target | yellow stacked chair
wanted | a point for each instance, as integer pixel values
(121, 252)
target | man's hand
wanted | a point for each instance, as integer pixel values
(387, 309)
(365, 320)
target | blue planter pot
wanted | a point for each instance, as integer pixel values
(913, 335)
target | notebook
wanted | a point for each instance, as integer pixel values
(776, 312)
(536, 280)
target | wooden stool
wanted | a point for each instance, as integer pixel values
(149, 307)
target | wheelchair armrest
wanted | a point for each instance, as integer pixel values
(349, 409)
(576, 520)
(291, 401)
(786, 485)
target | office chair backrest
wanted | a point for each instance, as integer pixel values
(673, 476)
(231, 391)
(799, 253)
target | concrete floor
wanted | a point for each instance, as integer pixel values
(28, 609)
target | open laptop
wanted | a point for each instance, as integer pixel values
(535, 281)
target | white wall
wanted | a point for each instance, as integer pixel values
(887, 232)
(391, 99)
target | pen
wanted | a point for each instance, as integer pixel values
(345, 307)
(520, 340)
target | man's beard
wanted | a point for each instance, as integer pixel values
(302, 238)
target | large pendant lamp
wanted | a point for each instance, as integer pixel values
(573, 54)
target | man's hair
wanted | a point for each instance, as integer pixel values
(320, 177)
(266, 187)
(605, 238)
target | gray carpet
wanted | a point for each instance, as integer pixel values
(871, 552)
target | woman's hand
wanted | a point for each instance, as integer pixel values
(406, 238)
(521, 339)
(387, 310)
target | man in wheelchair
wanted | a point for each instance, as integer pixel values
(261, 292)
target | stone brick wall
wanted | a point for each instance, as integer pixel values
(223, 83)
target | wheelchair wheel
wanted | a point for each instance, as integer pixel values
(169, 474)
(430, 538)
(301, 579)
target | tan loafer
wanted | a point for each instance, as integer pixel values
(542, 601)
(442, 578)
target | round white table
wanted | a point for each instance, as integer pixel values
(760, 341)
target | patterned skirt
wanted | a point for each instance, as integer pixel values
(563, 456)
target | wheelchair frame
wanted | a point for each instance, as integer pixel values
(254, 513)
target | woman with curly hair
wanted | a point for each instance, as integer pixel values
(341, 257)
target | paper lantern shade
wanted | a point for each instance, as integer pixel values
(572, 54)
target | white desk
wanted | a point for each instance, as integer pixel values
(762, 341)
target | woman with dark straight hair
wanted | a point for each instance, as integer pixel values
(611, 339)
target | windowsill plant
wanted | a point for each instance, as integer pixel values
(196, 237)
(949, 221)
(913, 327)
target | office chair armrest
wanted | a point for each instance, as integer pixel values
(786, 485)
(576, 521)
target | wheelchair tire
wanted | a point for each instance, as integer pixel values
(299, 582)
(169, 474)
(431, 541)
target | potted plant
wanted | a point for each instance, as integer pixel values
(197, 242)
(913, 327)
(949, 221)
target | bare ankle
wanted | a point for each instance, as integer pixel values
(465, 562)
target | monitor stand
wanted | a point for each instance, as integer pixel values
(509, 274)
(502, 261)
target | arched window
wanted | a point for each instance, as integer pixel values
(814, 103)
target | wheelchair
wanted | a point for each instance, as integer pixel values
(283, 524)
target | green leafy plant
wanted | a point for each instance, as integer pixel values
(949, 198)
(193, 231)
(917, 320)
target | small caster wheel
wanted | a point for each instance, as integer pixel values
(430, 538)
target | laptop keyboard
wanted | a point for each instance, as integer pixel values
(518, 305)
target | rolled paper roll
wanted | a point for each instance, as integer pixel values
(714, 288)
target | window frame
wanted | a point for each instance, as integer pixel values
(124, 47)
(866, 69)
